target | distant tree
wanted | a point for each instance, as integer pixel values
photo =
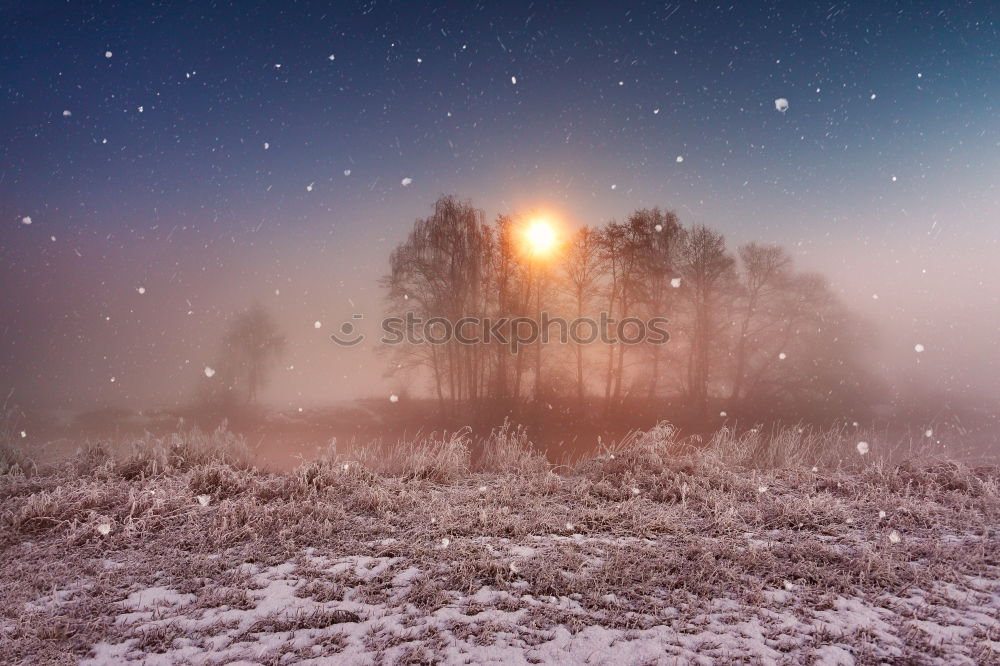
(622, 249)
(250, 349)
(582, 268)
(662, 241)
(806, 352)
(754, 332)
(439, 272)
(707, 276)
(504, 278)
(761, 310)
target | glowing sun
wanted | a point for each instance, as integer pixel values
(540, 237)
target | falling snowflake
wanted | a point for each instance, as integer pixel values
(862, 448)
(107, 54)
(26, 219)
(140, 109)
(67, 113)
(331, 57)
(204, 500)
(483, 489)
(781, 104)
(881, 514)
(894, 537)
(513, 80)
(445, 541)
(894, 179)
(393, 398)
(569, 526)
(266, 145)
(636, 491)
(406, 181)
(23, 434)
(919, 348)
(112, 380)
(782, 356)
(347, 172)
(928, 433)
(680, 158)
(658, 227)
(614, 187)
(309, 187)
(656, 111)
(873, 96)
(141, 290)
(723, 414)
(815, 469)
(209, 372)
(761, 489)
(675, 282)
(104, 528)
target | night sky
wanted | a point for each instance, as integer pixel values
(214, 154)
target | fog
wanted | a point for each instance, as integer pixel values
(78, 334)
(150, 193)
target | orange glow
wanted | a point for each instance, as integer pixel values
(540, 237)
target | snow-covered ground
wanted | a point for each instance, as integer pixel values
(364, 610)
(633, 558)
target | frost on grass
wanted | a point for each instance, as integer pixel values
(634, 556)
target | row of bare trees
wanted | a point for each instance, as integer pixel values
(746, 328)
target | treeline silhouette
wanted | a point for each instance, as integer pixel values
(749, 333)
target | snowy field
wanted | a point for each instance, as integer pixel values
(632, 558)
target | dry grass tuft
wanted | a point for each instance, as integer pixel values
(657, 528)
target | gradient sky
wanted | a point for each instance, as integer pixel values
(217, 154)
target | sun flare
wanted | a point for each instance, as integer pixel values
(540, 237)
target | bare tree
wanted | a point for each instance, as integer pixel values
(439, 272)
(662, 238)
(582, 268)
(250, 349)
(707, 275)
(621, 252)
(760, 306)
(752, 331)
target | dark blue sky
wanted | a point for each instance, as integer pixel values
(884, 167)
